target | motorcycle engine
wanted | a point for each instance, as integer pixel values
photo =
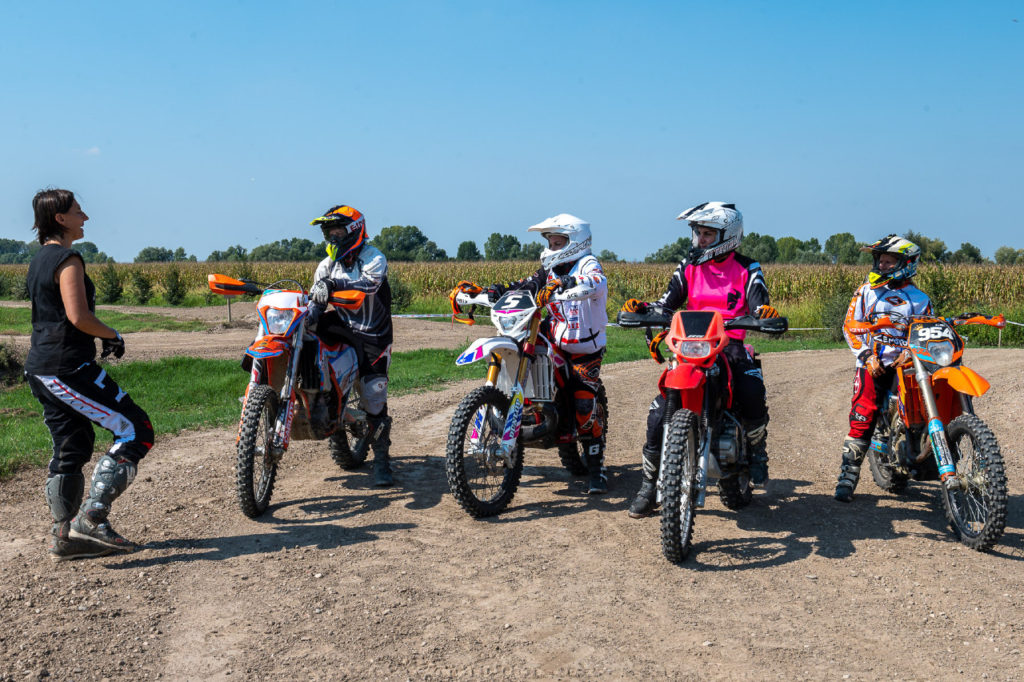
(727, 446)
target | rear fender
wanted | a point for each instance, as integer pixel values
(963, 379)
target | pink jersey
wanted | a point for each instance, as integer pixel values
(719, 286)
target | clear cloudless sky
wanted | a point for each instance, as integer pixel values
(208, 124)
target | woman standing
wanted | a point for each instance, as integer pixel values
(74, 391)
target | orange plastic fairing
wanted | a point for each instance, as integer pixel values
(228, 286)
(714, 335)
(963, 379)
(348, 299)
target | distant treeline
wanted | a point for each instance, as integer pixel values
(408, 243)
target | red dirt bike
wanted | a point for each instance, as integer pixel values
(929, 431)
(299, 389)
(521, 403)
(704, 442)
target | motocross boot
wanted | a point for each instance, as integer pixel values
(380, 428)
(63, 495)
(593, 450)
(110, 478)
(853, 455)
(757, 440)
(647, 497)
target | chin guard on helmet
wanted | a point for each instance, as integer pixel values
(340, 246)
(906, 252)
(719, 216)
(576, 230)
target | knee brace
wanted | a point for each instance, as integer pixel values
(588, 414)
(110, 478)
(374, 390)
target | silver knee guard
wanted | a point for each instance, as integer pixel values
(374, 391)
(110, 478)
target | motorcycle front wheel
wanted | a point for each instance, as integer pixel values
(256, 466)
(679, 477)
(976, 507)
(350, 443)
(480, 480)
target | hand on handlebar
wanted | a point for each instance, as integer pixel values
(320, 293)
(874, 365)
(545, 294)
(495, 291)
(765, 312)
(634, 305)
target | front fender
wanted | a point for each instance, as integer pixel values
(689, 381)
(267, 347)
(482, 348)
(963, 379)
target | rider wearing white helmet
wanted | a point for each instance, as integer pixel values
(714, 277)
(576, 325)
(889, 290)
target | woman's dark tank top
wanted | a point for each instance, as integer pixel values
(57, 346)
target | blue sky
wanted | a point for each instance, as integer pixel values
(207, 124)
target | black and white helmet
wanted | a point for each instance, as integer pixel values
(718, 216)
(574, 229)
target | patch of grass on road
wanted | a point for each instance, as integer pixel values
(19, 321)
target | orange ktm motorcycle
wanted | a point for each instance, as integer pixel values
(704, 441)
(930, 431)
(299, 388)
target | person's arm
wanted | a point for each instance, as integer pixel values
(71, 277)
(675, 297)
(757, 289)
(860, 344)
(589, 282)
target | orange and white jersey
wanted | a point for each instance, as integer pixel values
(869, 304)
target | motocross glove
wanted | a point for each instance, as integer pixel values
(635, 305)
(114, 345)
(874, 365)
(566, 283)
(321, 291)
(764, 312)
(495, 291)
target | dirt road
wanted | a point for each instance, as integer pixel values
(341, 580)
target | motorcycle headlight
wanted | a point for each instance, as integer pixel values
(508, 323)
(694, 349)
(278, 321)
(941, 352)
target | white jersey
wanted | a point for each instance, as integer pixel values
(579, 315)
(869, 304)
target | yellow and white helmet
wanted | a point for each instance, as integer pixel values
(906, 252)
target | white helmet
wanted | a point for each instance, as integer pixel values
(575, 230)
(718, 216)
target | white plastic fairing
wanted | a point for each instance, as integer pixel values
(512, 312)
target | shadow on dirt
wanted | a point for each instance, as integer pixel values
(796, 525)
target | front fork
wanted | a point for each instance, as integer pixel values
(936, 429)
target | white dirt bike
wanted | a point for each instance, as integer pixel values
(521, 403)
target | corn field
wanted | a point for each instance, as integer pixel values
(965, 286)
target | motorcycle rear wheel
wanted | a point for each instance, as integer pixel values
(883, 472)
(736, 492)
(351, 442)
(480, 487)
(256, 467)
(976, 510)
(679, 476)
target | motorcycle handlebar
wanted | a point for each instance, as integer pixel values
(661, 318)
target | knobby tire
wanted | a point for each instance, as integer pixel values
(679, 497)
(256, 467)
(977, 513)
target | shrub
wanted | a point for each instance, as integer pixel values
(11, 367)
(109, 287)
(142, 287)
(174, 287)
(401, 293)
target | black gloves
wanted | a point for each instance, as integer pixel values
(321, 291)
(114, 345)
(495, 291)
(565, 283)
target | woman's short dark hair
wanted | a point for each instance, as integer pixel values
(47, 203)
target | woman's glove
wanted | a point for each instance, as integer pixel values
(495, 291)
(566, 283)
(321, 291)
(114, 345)
(764, 312)
(635, 305)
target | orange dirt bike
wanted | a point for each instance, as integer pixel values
(704, 441)
(930, 432)
(299, 388)
(522, 402)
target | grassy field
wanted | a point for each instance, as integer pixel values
(19, 321)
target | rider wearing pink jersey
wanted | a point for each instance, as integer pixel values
(714, 277)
